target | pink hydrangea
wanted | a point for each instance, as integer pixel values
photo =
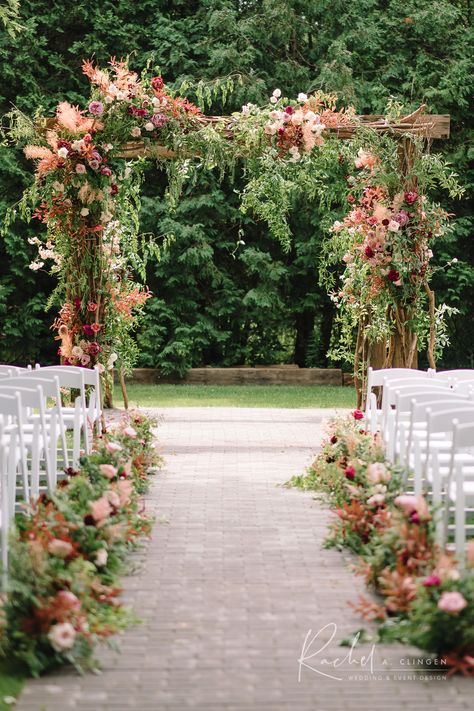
(130, 432)
(113, 447)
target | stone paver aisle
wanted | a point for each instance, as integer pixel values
(233, 582)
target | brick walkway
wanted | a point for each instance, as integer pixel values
(233, 582)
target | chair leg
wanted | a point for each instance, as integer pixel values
(460, 528)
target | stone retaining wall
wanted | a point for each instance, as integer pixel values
(260, 375)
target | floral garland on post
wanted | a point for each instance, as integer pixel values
(89, 200)
(68, 550)
(426, 600)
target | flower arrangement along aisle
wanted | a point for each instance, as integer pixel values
(426, 600)
(69, 549)
(87, 195)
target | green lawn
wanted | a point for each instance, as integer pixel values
(11, 682)
(294, 396)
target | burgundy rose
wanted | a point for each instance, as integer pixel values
(157, 83)
(114, 189)
(94, 348)
(350, 473)
(393, 275)
(414, 517)
(411, 197)
(289, 110)
(333, 439)
(369, 252)
(142, 113)
(385, 222)
(351, 199)
(62, 143)
(77, 302)
(358, 415)
(87, 330)
(281, 131)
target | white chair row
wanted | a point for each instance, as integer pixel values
(427, 425)
(377, 378)
(33, 431)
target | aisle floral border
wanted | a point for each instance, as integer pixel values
(424, 599)
(68, 550)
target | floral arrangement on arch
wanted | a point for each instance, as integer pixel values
(427, 600)
(88, 197)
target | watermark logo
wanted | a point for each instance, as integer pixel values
(360, 664)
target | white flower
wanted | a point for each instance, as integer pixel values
(107, 147)
(246, 110)
(77, 145)
(112, 358)
(108, 99)
(156, 102)
(62, 153)
(277, 93)
(101, 557)
(105, 216)
(393, 225)
(36, 265)
(84, 212)
(77, 352)
(149, 126)
(135, 132)
(302, 97)
(58, 187)
(62, 636)
(455, 260)
(273, 99)
(127, 172)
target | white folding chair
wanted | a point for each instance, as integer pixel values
(396, 388)
(459, 374)
(51, 389)
(91, 380)
(39, 438)
(460, 486)
(377, 378)
(8, 465)
(411, 419)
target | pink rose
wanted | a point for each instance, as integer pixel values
(66, 598)
(113, 447)
(130, 432)
(125, 488)
(80, 168)
(114, 498)
(106, 171)
(94, 164)
(452, 602)
(100, 509)
(407, 502)
(60, 548)
(108, 470)
(377, 473)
